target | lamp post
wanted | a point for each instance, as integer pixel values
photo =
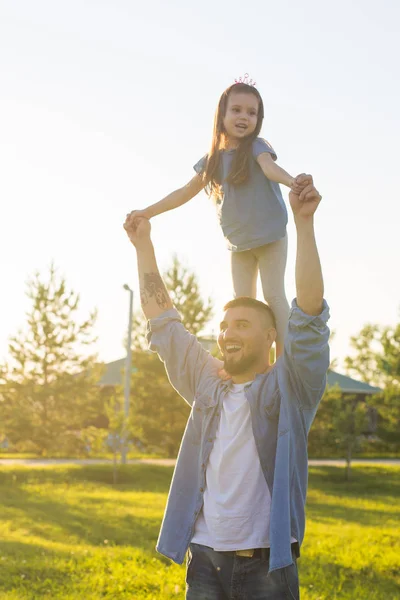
(128, 369)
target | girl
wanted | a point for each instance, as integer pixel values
(241, 175)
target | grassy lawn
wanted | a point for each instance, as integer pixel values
(102, 455)
(67, 533)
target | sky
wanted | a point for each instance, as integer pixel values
(105, 107)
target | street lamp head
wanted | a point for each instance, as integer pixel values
(127, 288)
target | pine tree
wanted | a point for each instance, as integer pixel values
(48, 391)
(185, 294)
(377, 362)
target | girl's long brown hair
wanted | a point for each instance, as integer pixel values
(240, 169)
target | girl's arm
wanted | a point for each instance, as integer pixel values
(173, 200)
(273, 171)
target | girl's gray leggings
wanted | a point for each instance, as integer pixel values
(270, 261)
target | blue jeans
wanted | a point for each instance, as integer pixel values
(212, 575)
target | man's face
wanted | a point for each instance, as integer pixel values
(244, 340)
(241, 114)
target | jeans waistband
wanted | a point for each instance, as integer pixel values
(260, 552)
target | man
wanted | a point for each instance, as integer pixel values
(237, 497)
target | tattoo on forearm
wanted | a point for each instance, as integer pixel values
(144, 297)
(153, 287)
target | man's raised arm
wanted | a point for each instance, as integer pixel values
(188, 364)
(154, 297)
(309, 282)
(306, 351)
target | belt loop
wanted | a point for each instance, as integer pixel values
(296, 549)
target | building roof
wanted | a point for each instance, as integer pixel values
(113, 375)
(348, 385)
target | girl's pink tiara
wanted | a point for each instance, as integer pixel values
(245, 80)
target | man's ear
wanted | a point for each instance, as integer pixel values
(272, 335)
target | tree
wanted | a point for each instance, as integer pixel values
(365, 362)
(389, 359)
(377, 362)
(48, 392)
(184, 290)
(350, 422)
(117, 426)
(159, 414)
(341, 422)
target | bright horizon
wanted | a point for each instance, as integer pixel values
(105, 108)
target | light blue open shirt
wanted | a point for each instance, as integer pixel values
(282, 404)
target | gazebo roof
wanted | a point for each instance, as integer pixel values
(113, 374)
(348, 385)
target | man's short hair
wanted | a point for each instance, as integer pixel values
(261, 307)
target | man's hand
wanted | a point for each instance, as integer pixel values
(138, 229)
(304, 203)
(154, 297)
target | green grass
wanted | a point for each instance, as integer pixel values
(135, 455)
(98, 455)
(68, 533)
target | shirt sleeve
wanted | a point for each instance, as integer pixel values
(187, 363)
(260, 145)
(306, 354)
(201, 165)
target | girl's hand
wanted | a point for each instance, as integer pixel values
(306, 203)
(300, 183)
(295, 187)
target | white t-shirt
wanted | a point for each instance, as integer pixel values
(237, 501)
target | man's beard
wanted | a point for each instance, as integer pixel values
(240, 366)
